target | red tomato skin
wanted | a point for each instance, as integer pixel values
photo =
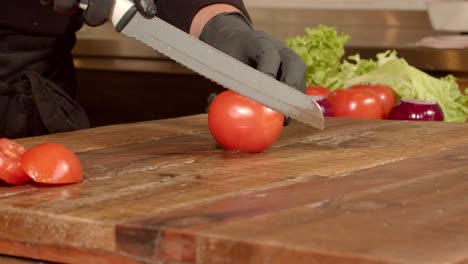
(356, 104)
(52, 163)
(10, 168)
(238, 123)
(318, 91)
(385, 93)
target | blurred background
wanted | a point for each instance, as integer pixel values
(121, 80)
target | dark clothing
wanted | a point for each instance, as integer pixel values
(49, 56)
(37, 78)
(31, 17)
(34, 105)
(37, 85)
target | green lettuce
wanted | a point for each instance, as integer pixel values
(321, 48)
(355, 66)
(409, 82)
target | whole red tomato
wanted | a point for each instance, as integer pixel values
(52, 163)
(10, 168)
(241, 124)
(385, 93)
(317, 91)
(357, 103)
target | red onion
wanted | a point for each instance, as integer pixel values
(324, 104)
(414, 109)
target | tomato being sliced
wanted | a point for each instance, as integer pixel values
(241, 124)
(52, 163)
(10, 168)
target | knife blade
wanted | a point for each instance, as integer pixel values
(214, 64)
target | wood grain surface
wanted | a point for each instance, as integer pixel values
(359, 191)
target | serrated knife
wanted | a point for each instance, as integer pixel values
(214, 64)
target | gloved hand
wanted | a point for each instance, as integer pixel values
(98, 10)
(233, 34)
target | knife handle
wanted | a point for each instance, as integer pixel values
(122, 12)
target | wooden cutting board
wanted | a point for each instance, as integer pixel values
(359, 191)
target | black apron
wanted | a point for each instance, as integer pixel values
(37, 86)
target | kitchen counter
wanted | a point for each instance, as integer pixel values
(360, 191)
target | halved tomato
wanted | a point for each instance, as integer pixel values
(10, 168)
(52, 163)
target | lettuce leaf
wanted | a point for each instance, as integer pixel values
(409, 82)
(355, 66)
(322, 49)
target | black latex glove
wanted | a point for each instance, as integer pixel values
(233, 34)
(98, 10)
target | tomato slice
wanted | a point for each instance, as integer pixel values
(10, 168)
(52, 163)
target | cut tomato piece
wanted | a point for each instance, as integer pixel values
(10, 168)
(52, 163)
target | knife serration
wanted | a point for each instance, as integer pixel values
(224, 70)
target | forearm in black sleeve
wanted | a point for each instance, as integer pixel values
(180, 13)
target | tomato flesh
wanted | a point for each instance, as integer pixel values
(52, 163)
(10, 168)
(241, 124)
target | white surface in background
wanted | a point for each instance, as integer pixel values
(449, 15)
(444, 42)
